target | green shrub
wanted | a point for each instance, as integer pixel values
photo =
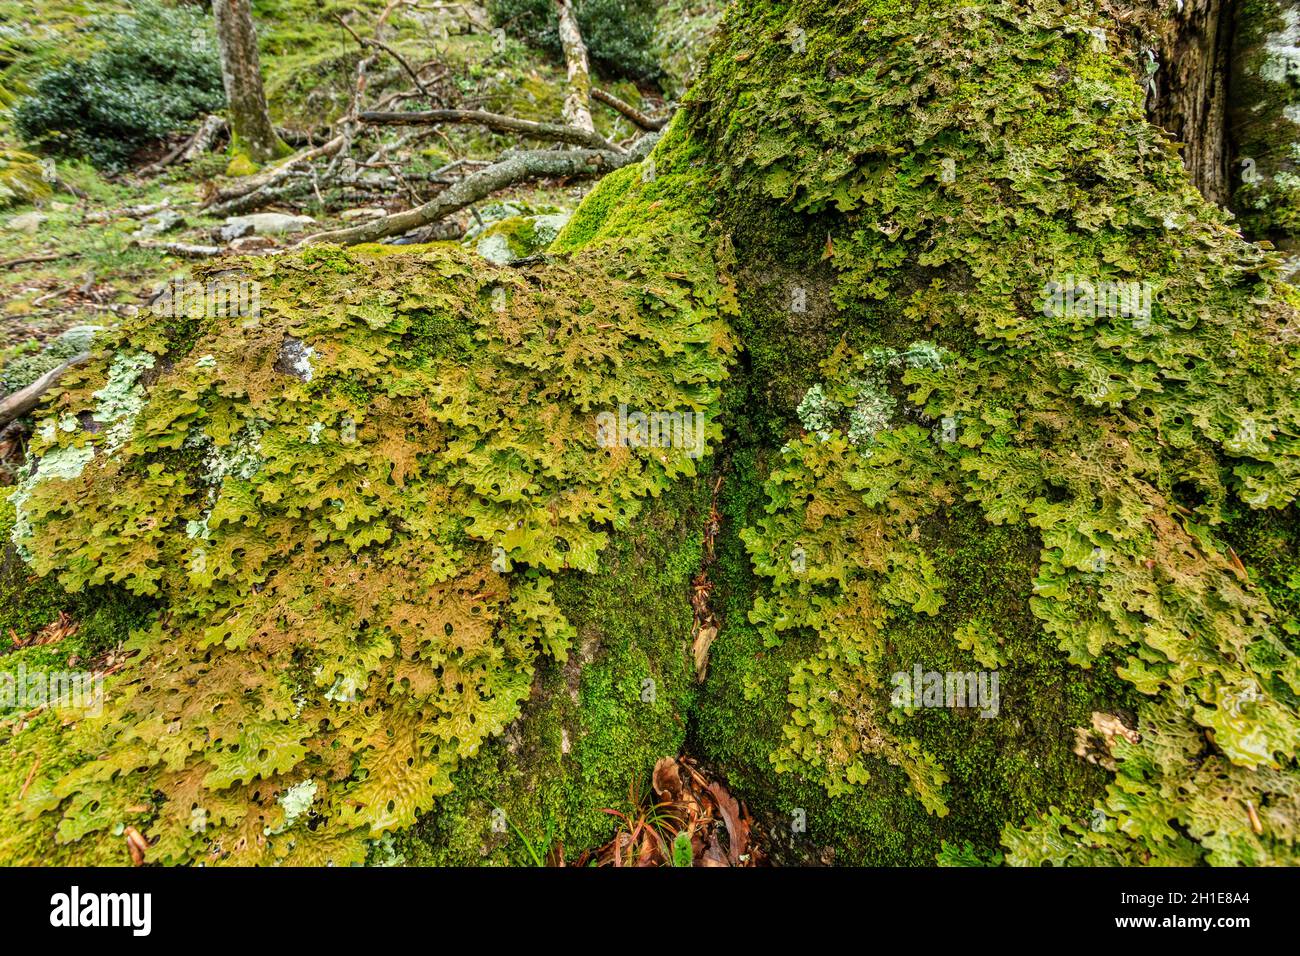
(147, 73)
(619, 33)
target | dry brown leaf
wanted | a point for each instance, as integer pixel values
(713, 855)
(737, 829)
(703, 641)
(667, 780)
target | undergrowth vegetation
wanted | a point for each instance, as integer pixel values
(141, 75)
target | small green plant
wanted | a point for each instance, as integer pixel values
(146, 73)
(533, 853)
(683, 854)
(646, 831)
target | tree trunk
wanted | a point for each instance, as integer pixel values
(577, 101)
(457, 560)
(252, 133)
(1189, 95)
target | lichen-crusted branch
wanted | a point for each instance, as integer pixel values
(514, 168)
(239, 193)
(498, 122)
(577, 102)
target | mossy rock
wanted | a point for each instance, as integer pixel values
(517, 237)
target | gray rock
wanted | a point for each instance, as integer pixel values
(28, 222)
(362, 212)
(295, 359)
(235, 230)
(165, 221)
(272, 223)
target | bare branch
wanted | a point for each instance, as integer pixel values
(196, 145)
(514, 168)
(553, 132)
(223, 200)
(643, 120)
(577, 102)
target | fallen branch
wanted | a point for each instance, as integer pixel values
(184, 249)
(246, 185)
(515, 168)
(128, 212)
(202, 142)
(26, 260)
(195, 146)
(498, 122)
(643, 120)
(25, 399)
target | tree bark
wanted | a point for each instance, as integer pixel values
(577, 102)
(1189, 92)
(250, 121)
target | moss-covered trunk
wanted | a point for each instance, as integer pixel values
(1264, 121)
(992, 393)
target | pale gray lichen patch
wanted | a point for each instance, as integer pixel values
(66, 462)
(241, 458)
(122, 397)
(868, 401)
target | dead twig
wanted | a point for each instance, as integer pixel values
(27, 260)
(644, 120)
(31, 775)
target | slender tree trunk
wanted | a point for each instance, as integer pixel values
(577, 102)
(1264, 120)
(250, 122)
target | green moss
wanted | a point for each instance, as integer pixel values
(348, 508)
(843, 185)
(241, 165)
(619, 705)
(897, 222)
